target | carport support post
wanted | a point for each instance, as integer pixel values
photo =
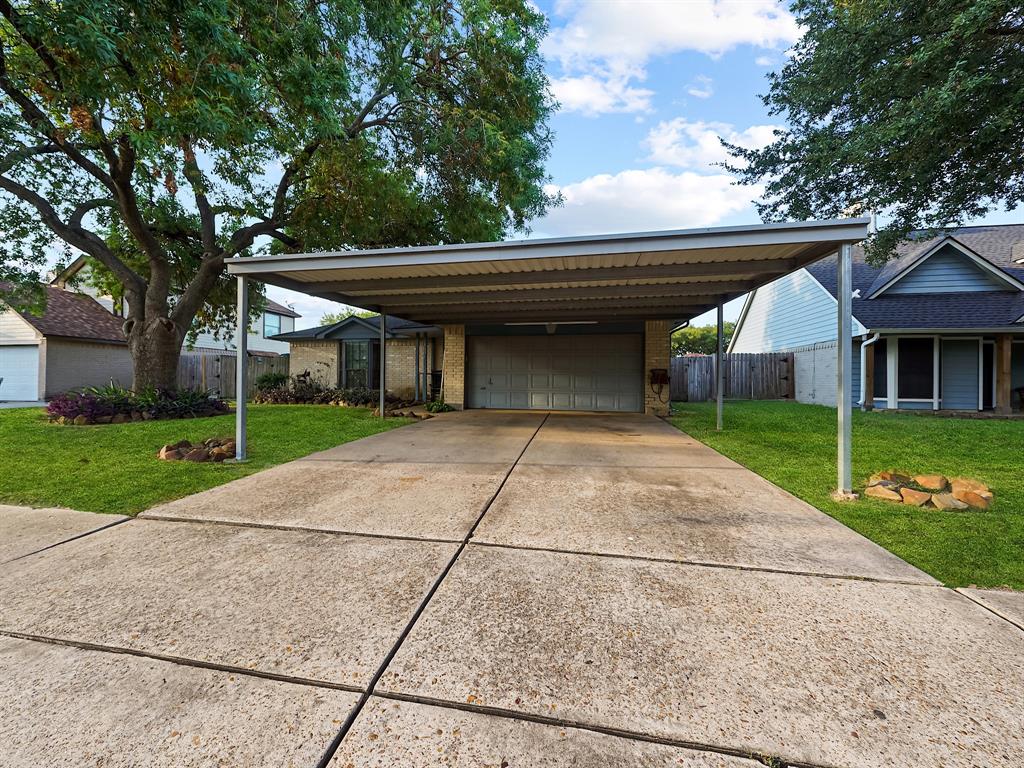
(382, 364)
(241, 366)
(720, 368)
(844, 378)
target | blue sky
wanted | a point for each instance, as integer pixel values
(646, 88)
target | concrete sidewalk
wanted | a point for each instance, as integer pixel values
(495, 588)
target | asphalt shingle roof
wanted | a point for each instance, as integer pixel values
(393, 324)
(995, 244)
(75, 316)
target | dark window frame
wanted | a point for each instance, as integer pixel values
(915, 368)
(267, 333)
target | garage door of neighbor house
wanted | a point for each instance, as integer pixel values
(559, 372)
(19, 369)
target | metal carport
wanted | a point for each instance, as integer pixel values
(672, 275)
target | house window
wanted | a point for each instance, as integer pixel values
(881, 382)
(916, 369)
(271, 324)
(357, 363)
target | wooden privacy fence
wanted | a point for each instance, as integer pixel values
(761, 376)
(216, 373)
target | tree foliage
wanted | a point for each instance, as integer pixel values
(162, 137)
(700, 339)
(914, 109)
(330, 318)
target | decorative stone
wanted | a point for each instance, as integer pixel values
(182, 444)
(81, 420)
(947, 501)
(136, 415)
(895, 477)
(197, 454)
(914, 498)
(932, 482)
(881, 492)
(162, 453)
(120, 418)
(104, 419)
(963, 485)
(972, 499)
(220, 453)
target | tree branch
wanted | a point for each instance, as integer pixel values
(83, 208)
(207, 218)
(12, 159)
(82, 239)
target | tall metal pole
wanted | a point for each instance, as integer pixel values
(241, 366)
(382, 365)
(844, 371)
(720, 369)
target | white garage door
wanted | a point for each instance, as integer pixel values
(19, 369)
(563, 373)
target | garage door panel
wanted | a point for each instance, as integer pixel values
(19, 369)
(592, 372)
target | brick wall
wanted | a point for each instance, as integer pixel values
(400, 374)
(454, 365)
(656, 355)
(320, 358)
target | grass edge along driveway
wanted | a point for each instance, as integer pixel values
(113, 468)
(794, 446)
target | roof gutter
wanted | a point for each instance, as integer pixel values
(863, 364)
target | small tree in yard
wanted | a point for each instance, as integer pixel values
(161, 138)
(700, 339)
(910, 108)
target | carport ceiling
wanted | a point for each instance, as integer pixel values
(673, 275)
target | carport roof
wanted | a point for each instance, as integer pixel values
(674, 275)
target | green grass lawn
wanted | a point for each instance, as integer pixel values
(794, 446)
(113, 468)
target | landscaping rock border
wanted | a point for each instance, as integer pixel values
(930, 491)
(211, 449)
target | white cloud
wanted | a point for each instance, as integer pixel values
(696, 145)
(701, 87)
(593, 95)
(764, 61)
(640, 200)
(614, 40)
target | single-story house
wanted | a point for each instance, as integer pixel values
(76, 342)
(938, 327)
(347, 354)
(276, 318)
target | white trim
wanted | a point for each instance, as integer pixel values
(981, 374)
(980, 262)
(743, 315)
(891, 350)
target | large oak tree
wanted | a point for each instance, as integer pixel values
(913, 108)
(161, 137)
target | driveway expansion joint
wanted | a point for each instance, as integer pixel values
(180, 660)
(704, 564)
(295, 528)
(990, 609)
(68, 540)
(350, 719)
(558, 722)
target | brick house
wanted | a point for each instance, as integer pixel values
(347, 354)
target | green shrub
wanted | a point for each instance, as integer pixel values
(438, 406)
(271, 381)
(101, 405)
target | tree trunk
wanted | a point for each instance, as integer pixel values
(155, 348)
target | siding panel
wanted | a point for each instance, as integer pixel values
(960, 374)
(791, 312)
(947, 271)
(74, 364)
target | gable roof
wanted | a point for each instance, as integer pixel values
(281, 309)
(989, 309)
(897, 269)
(395, 326)
(75, 316)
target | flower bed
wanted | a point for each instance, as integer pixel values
(304, 390)
(114, 405)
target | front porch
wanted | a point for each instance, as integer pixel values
(954, 372)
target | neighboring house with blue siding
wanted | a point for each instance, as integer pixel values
(938, 327)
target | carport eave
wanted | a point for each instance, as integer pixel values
(520, 282)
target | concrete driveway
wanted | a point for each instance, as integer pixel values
(499, 589)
